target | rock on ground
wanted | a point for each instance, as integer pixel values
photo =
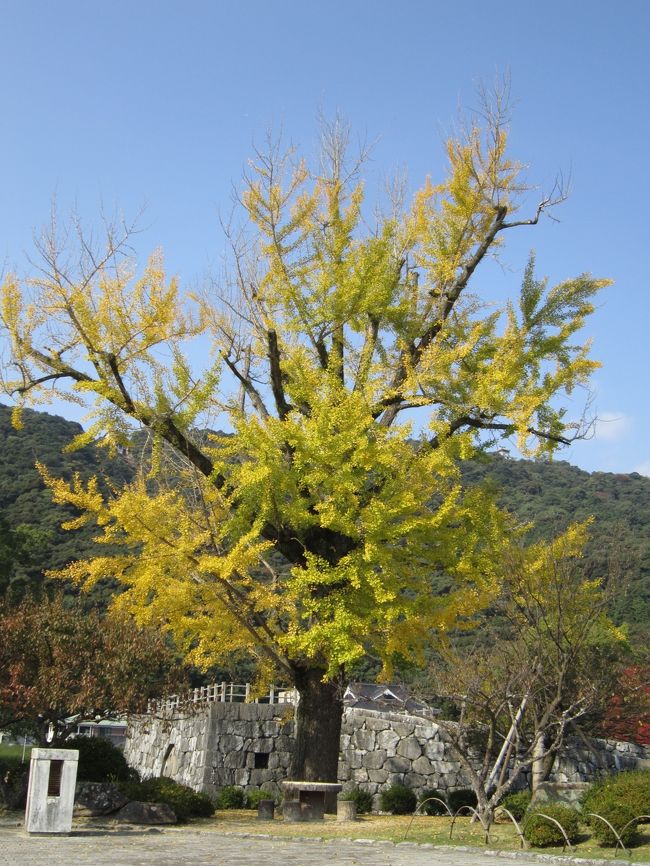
(146, 813)
(97, 798)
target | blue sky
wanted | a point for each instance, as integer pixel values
(158, 104)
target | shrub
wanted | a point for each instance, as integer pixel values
(185, 802)
(631, 788)
(542, 833)
(231, 797)
(399, 800)
(517, 804)
(362, 798)
(462, 797)
(619, 815)
(433, 807)
(13, 783)
(100, 761)
(253, 798)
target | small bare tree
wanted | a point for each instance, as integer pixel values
(554, 665)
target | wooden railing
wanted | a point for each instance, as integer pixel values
(225, 693)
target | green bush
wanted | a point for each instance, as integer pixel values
(362, 798)
(399, 800)
(185, 802)
(619, 816)
(231, 797)
(462, 797)
(433, 807)
(542, 833)
(100, 761)
(517, 804)
(13, 783)
(631, 789)
(253, 798)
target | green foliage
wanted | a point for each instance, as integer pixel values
(542, 833)
(31, 537)
(21, 547)
(462, 797)
(399, 800)
(185, 802)
(13, 782)
(433, 807)
(253, 798)
(548, 496)
(517, 804)
(362, 798)
(347, 329)
(99, 760)
(631, 789)
(232, 797)
(620, 815)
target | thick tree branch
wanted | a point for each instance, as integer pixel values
(368, 350)
(323, 354)
(33, 383)
(547, 202)
(277, 386)
(450, 296)
(62, 370)
(337, 354)
(478, 423)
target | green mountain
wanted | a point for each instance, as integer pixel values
(551, 495)
(547, 495)
(31, 538)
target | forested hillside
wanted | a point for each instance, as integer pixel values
(31, 538)
(549, 495)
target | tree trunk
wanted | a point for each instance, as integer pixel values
(537, 771)
(484, 811)
(318, 727)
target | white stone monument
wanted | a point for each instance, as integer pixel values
(50, 795)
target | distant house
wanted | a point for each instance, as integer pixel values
(385, 698)
(113, 730)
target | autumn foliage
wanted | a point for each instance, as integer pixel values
(307, 537)
(628, 715)
(57, 659)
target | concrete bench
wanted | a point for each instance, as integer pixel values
(306, 801)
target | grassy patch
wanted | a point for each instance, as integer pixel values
(421, 829)
(11, 750)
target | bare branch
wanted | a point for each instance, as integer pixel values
(247, 385)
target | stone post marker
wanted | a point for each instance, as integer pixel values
(50, 795)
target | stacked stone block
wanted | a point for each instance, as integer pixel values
(382, 749)
(250, 745)
(216, 745)
(578, 763)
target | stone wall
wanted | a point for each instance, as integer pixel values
(250, 745)
(381, 749)
(583, 761)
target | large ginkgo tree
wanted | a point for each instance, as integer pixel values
(353, 367)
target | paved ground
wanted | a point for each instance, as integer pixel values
(185, 847)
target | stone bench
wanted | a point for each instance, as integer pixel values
(306, 801)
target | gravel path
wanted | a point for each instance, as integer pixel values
(186, 847)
